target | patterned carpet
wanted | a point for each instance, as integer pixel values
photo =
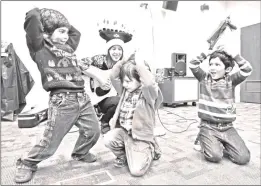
(179, 164)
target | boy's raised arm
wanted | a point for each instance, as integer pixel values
(245, 69)
(34, 29)
(74, 38)
(150, 88)
(115, 71)
(194, 66)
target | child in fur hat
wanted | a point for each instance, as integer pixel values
(131, 137)
(52, 41)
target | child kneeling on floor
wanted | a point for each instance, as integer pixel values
(216, 104)
(131, 139)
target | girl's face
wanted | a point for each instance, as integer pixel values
(116, 53)
(130, 84)
(60, 35)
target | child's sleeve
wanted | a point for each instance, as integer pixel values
(115, 71)
(97, 60)
(85, 63)
(245, 69)
(74, 38)
(150, 88)
(194, 66)
(90, 68)
(90, 61)
(34, 30)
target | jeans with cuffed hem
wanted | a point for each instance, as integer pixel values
(66, 110)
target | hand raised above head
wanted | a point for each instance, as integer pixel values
(208, 52)
(139, 57)
(231, 50)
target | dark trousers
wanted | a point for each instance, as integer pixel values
(66, 110)
(216, 138)
(108, 107)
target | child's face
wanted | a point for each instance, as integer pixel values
(130, 84)
(217, 68)
(60, 35)
(116, 53)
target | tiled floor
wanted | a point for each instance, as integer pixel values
(179, 164)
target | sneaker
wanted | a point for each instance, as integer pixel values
(225, 153)
(23, 173)
(197, 146)
(105, 127)
(120, 162)
(156, 156)
(89, 158)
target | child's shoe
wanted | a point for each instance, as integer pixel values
(105, 127)
(23, 173)
(120, 162)
(197, 146)
(88, 158)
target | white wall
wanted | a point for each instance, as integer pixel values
(243, 13)
(185, 30)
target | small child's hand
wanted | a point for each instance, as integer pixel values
(230, 50)
(207, 53)
(139, 57)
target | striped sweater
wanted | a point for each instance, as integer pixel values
(217, 98)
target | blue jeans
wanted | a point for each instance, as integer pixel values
(66, 110)
(215, 138)
(139, 154)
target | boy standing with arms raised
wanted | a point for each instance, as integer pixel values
(52, 42)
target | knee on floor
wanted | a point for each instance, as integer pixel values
(214, 156)
(242, 159)
(137, 172)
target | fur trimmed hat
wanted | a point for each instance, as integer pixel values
(53, 19)
(114, 33)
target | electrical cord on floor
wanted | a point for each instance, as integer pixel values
(74, 131)
(179, 121)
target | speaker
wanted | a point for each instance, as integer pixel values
(179, 62)
(170, 5)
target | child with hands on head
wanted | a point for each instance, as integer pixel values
(133, 122)
(216, 106)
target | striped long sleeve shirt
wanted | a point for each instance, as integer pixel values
(217, 98)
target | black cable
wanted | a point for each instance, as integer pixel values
(179, 121)
(74, 131)
(183, 118)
